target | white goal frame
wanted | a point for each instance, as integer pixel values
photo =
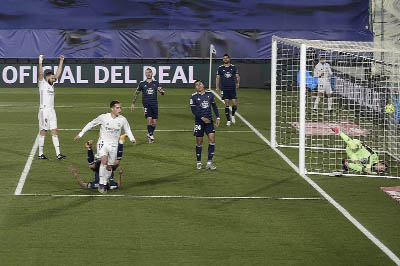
(377, 53)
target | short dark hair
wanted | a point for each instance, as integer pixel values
(227, 55)
(197, 80)
(149, 69)
(113, 103)
(48, 73)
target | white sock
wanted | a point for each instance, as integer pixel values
(330, 103)
(104, 174)
(56, 144)
(316, 102)
(41, 144)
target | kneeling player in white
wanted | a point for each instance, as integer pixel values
(323, 72)
(47, 115)
(107, 145)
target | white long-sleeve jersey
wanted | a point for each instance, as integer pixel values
(323, 72)
(110, 129)
(46, 92)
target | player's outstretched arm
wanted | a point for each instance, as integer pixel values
(60, 65)
(89, 125)
(75, 173)
(40, 71)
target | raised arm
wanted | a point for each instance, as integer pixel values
(40, 71)
(60, 65)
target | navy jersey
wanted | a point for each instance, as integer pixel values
(149, 90)
(201, 105)
(227, 77)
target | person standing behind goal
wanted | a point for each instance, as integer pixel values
(228, 81)
(47, 114)
(323, 72)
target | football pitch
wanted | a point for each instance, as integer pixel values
(253, 210)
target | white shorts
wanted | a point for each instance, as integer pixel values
(107, 149)
(325, 87)
(47, 119)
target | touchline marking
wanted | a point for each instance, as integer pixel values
(163, 130)
(341, 209)
(28, 164)
(172, 196)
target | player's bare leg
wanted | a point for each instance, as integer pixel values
(211, 149)
(234, 108)
(75, 173)
(42, 135)
(199, 144)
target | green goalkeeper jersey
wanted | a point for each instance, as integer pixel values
(362, 157)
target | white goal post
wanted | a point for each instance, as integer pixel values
(350, 86)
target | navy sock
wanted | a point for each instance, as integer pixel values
(150, 130)
(211, 149)
(96, 178)
(234, 108)
(228, 117)
(153, 127)
(90, 156)
(198, 153)
(119, 151)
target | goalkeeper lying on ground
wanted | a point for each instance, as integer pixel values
(361, 157)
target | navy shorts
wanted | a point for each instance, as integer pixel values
(151, 111)
(228, 94)
(201, 127)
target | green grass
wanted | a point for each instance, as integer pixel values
(42, 230)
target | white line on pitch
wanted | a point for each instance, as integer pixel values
(28, 164)
(339, 207)
(167, 130)
(172, 196)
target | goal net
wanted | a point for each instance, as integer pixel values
(351, 86)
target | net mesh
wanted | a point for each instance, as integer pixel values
(356, 90)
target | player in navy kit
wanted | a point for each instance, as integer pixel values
(228, 81)
(149, 87)
(94, 165)
(200, 103)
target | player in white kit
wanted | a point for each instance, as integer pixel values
(323, 72)
(107, 145)
(47, 115)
